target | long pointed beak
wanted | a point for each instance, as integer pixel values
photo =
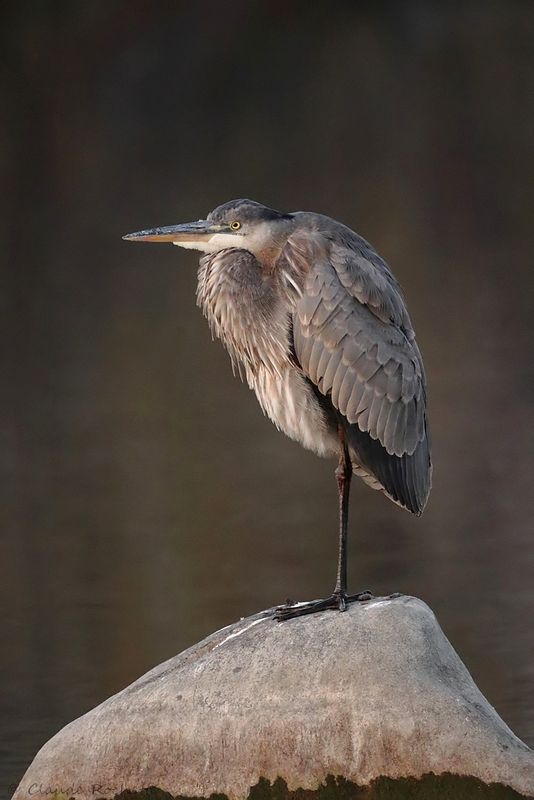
(200, 231)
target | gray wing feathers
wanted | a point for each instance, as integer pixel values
(368, 367)
(367, 278)
(354, 340)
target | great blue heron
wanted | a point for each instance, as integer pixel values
(313, 318)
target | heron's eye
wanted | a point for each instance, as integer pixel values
(235, 225)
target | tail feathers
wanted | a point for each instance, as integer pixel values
(404, 479)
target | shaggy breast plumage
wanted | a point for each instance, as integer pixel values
(244, 311)
(243, 304)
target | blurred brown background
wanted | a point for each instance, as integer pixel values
(145, 500)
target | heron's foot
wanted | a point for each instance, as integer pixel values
(337, 602)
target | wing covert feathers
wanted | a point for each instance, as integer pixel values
(354, 340)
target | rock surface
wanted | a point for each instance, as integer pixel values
(376, 691)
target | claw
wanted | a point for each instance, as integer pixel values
(336, 602)
(341, 601)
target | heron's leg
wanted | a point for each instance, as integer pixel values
(343, 477)
(339, 599)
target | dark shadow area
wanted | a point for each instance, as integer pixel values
(429, 787)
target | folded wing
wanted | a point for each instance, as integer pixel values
(354, 340)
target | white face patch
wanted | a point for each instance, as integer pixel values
(219, 241)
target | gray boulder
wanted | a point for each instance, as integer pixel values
(374, 698)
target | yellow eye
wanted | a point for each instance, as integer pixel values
(235, 225)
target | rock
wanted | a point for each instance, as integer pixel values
(375, 697)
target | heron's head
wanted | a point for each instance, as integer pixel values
(244, 224)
